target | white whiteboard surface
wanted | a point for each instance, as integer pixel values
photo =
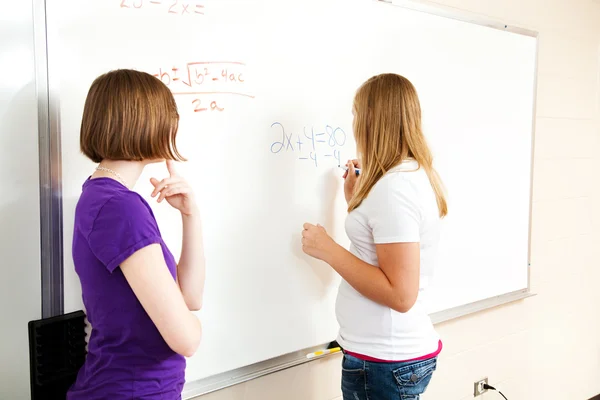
(20, 287)
(294, 67)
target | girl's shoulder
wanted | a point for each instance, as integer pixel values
(100, 203)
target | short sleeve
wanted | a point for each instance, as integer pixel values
(394, 212)
(123, 226)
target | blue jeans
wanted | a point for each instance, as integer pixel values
(365, 380)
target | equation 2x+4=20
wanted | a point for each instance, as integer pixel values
(328, 142)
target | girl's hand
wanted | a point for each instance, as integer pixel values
(350, 179)
(316, 242)
(175, 190)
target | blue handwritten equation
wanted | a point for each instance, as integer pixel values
(314, 145)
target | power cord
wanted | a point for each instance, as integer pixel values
(489, 387)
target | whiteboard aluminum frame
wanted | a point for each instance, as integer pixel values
(50, 165)
(51, 200)
(195, 389)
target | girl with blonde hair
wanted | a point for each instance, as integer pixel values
(395, 206)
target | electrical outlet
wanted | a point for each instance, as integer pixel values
(478, 389)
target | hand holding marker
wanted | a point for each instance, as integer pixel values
(350, 179)
(357, 170)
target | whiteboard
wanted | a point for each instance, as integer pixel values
(20, 286)
(264, 89)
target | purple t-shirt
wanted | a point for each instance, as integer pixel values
(127, 357)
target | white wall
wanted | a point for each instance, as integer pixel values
(19, 202)
(546, 347)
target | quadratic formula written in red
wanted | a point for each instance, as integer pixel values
(206, 83)
(204, 74)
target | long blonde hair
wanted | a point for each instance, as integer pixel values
(387, 129)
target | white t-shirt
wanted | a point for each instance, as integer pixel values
(401, 207)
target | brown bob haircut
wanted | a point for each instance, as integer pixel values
(129, 115)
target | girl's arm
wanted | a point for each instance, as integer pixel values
(394, 284)
(150, 279)
(191, 266)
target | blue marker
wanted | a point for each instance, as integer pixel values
(357, 170)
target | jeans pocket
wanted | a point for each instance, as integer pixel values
(413, 378)
(353, 384)
(353, 378)
(353, 365)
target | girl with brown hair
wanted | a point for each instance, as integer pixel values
(138, 298)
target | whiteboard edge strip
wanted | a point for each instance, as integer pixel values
(532, 163)
(195, 389)
(480, 305)
(441, 10)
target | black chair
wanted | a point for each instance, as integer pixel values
(57, 350)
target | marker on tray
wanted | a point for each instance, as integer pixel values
(323, 352)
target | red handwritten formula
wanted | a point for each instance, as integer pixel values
(207, 84)
(173, 7)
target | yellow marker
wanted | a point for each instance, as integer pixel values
(323, 352)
